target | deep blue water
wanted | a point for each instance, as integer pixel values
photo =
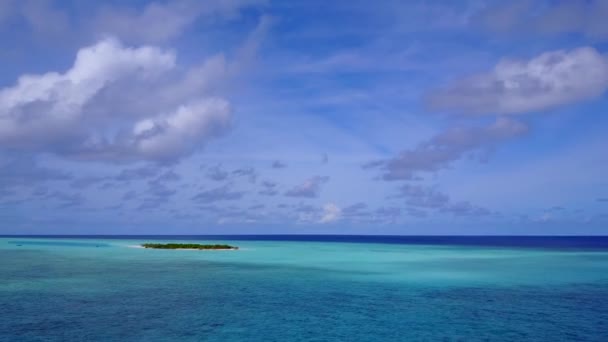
(305, 288)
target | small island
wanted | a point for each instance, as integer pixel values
(188, 246)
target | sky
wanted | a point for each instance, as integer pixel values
(304, 117)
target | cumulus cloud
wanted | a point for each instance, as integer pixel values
(448, 146)
(176, 133)
(310, 188)
(101, 108)
(519, 86)
(331, 213)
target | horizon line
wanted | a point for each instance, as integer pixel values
(382, 235)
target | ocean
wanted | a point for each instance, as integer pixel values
(305, 288)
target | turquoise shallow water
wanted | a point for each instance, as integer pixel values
(106, 290)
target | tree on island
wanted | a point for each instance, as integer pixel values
(186, 246)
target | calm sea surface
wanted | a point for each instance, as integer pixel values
(305, 288)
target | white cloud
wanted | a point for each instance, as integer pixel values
(331, 213)
(179, 131)
(116, 103)
(518, 86)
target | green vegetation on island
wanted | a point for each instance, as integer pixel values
(186, 246)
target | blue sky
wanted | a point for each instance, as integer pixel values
(295, 117)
